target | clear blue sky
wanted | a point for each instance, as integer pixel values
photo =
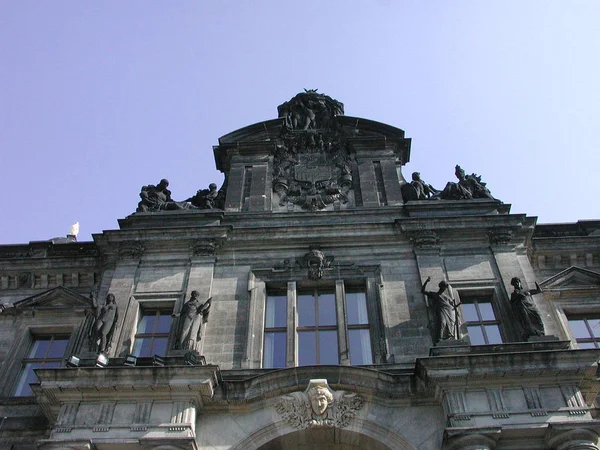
(100, 98)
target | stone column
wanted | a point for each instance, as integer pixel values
(573, 439)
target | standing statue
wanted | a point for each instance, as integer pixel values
(445, 311)
(158, 198)
(525, 310)
(194, 314)
(102, 331)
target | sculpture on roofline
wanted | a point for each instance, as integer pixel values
(210, 198)
(310, 110)
(158, 198)
(524, 308)
(468, 187)
(417, 189)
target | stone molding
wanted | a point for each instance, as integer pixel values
(572, 439)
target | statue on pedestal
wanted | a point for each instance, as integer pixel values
(525, 310)
(102, 330)
(194, 314)
(445, 311)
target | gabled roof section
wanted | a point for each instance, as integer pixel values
(57, 298)
(573, 278)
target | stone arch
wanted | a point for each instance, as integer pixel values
(361, 434)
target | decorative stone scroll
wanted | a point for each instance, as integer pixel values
(319, 407)
(500, 235)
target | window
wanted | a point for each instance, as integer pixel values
(323, 329)
(586, 331)
(45, 352)
(152, 337)
(480, 321)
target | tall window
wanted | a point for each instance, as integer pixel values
(482, 325)
(275, 331)
(324, 329)
(152, 335)
(586, 331)
(317, 328)
(45, 352)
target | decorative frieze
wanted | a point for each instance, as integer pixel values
(424, 238)
(131, 250)
(500, 235)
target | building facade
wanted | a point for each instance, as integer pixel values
(291, 309)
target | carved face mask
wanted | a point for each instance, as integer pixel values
(319, 402)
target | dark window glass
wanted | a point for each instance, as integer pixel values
(275, 350)
(45, 352)
(306, 310)
(482, 326)
(356, 306)
(360, 347)
(327, 309)
(307, 348)
(152, 335)
(275, 343)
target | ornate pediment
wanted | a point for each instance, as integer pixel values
(573, 278)
(57, 298)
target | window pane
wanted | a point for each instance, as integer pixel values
(306, 310)
(327, 309)
(469, 312)
(595, 326)
(487, 312)
(586, 345)
(146, 323)
(328, 347)
(27, 376)
(39, 348)
(356, 306)
(274, 352)
(58, 348)
(164, 323)
(360, 347)
(159, 347)
(493, 334)
(307, 348)
(142, 347)
(276, 315)
(475, 335)
(579, 329)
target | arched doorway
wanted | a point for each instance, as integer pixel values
(324, 439)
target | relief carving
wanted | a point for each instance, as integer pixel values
(500, 236)
(316, 262)
(312, 164)
(319, 407)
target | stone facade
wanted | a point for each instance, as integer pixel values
(314, 212)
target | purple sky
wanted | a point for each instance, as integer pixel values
(100, 98)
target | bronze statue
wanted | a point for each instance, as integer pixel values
(210, 198)
(194, 314)
(158, 198)
(468, 187)
(525, 310)
(445, 311)
(102, 330)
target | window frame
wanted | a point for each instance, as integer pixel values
(36, 335)
(467, 292)
(157, 310)
(257, 330)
